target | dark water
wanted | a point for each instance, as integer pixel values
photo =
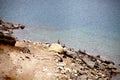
(93, 25)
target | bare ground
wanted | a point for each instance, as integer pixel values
(33, 61)
(18, 63)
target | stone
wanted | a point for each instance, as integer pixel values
(83, 77)
(71, 54)
(89, 62)
(58, 58)
(111, 66)
(101, 66)
(62, 64)
(116, 71)
(6, 31)
(98, 56)
(57, 48)
(100, 78)
(67, 70)
(109, 62)
(25, 50)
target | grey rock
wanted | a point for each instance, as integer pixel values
(89, 62)
(71, 54)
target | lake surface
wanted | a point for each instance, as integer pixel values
(91, 25)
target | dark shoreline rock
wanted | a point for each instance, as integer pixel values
(6, 31)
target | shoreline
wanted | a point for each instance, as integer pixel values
(26, 60)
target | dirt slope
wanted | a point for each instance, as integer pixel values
(18, 63)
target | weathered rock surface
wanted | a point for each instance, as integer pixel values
(57, 48)
(6, 30)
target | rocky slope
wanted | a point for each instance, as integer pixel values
(27, 60)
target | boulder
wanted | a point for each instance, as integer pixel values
(7, 39)
(6, 31)
(55, 47)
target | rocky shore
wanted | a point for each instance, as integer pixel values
(27, 60)
(6, 31)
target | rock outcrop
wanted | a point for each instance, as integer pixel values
(6, 31)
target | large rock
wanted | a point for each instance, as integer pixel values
(56, 48)
(6, 31)
(6, 39)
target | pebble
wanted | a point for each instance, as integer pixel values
(21, 52)
(29, 41)
(44, 69)
(68, 70)
(62, 64)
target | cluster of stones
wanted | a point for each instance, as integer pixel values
(78, 65)
(87, 67)
(6, 32)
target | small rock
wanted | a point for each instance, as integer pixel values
(58, 58)
(111, 66)
(109, 62)
(98, 56)
(83, 77)
(47, 45)
(99, 61)
(60, 68)
(116, 71)
(67, 70)
(73, 77)
(34, 43)
(101, 66)
(63, 78)
(25, 50)
(71, 54)
(27, 57)
(75, 71)
(29, 41)
(62, 64)
(44, 69)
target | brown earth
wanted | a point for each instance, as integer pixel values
(18, 63)
(33, 61)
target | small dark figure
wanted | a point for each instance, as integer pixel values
(58, 41)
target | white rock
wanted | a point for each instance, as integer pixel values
(56, 48)
(34, 43)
